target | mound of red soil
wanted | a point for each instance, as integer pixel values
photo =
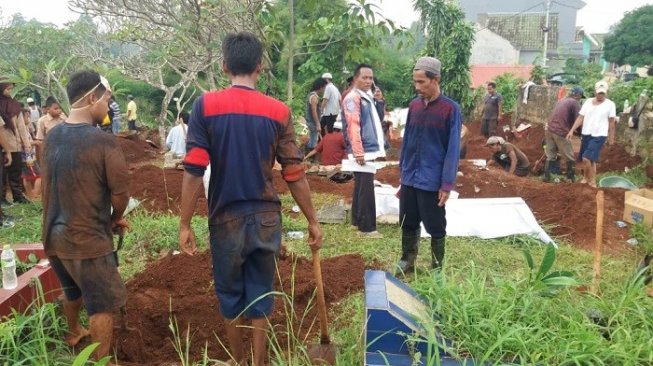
(160, 190)
(569, 207)
(182, 287)
(613, 158)
(136, 151)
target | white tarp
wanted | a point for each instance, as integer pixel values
(486, 218)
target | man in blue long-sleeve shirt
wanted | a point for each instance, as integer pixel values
(428, 165)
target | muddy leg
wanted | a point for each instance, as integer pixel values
(101, 329)
(235, 336)
(259, 340)
(71, 313)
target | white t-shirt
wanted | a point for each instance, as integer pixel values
(332, 95)
(596, 117)
(176, 140)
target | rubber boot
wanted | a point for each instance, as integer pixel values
(409, 248)
(437, 253)
(547, 171)
(571, 171)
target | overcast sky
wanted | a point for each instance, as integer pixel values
(596, 17)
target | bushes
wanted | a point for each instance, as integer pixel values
(508, 86)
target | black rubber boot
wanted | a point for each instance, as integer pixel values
(437, 253)
(409, 248)
(547, 171)
(571, 171)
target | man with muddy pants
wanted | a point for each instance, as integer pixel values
(428, 165)
(240, 132)
(84, 176)
(598, 118)
(563, 117)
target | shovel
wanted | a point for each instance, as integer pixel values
(324, 353)
(123, 310)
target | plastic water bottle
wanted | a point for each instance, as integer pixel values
(9, 278)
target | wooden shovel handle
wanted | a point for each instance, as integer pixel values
(598, 245)
(321, 304)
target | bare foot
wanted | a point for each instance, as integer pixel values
(583, 181)
(76, 335)
(592, 184)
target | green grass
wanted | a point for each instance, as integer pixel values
(485, 301)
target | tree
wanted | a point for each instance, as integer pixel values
(172, 45)
(37, 55)
(449, 37)
(326, 36)
(631, 40)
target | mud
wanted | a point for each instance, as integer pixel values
(612, 158)
(181, 288)
(136, 150)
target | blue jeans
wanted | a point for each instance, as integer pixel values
(244, 252)
(313, 133)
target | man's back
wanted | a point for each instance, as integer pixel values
(243, 131)
(82, 168)
(176, 140)
(132, 110)
(332, 148)
(332, 94)
(563, 116)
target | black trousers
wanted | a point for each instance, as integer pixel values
(363, 206)
(12, 176)
(415, 206)
(131, 125)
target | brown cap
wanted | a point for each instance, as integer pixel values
(426, 63)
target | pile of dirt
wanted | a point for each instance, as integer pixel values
(182, 287)
(570, 208)
(136, 151)
(160, 190)
(613, 158)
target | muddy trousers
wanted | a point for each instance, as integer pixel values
(12, 177)
(363, 205)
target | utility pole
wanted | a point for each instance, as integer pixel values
(291, 50)
(546, 33)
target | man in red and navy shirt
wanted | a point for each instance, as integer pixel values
(428, 164)
(241, 132)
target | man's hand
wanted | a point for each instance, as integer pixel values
(569, 135)
(360, 160)
(443, 196)
(7, 158)
(314, 236)
(187, 243)
(119, 227)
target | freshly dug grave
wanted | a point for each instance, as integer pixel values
(182, 286)
(160, 190)
(136, 150)
(569, 207)
(613, 158)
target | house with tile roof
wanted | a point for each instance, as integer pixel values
(522, 23)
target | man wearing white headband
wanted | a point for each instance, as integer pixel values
(84, 175)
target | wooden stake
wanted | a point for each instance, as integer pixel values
(598, 245)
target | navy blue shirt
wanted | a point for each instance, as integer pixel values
(431, 146)
(241, 132)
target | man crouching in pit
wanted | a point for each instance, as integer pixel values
(84, 175)
(240, 132)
